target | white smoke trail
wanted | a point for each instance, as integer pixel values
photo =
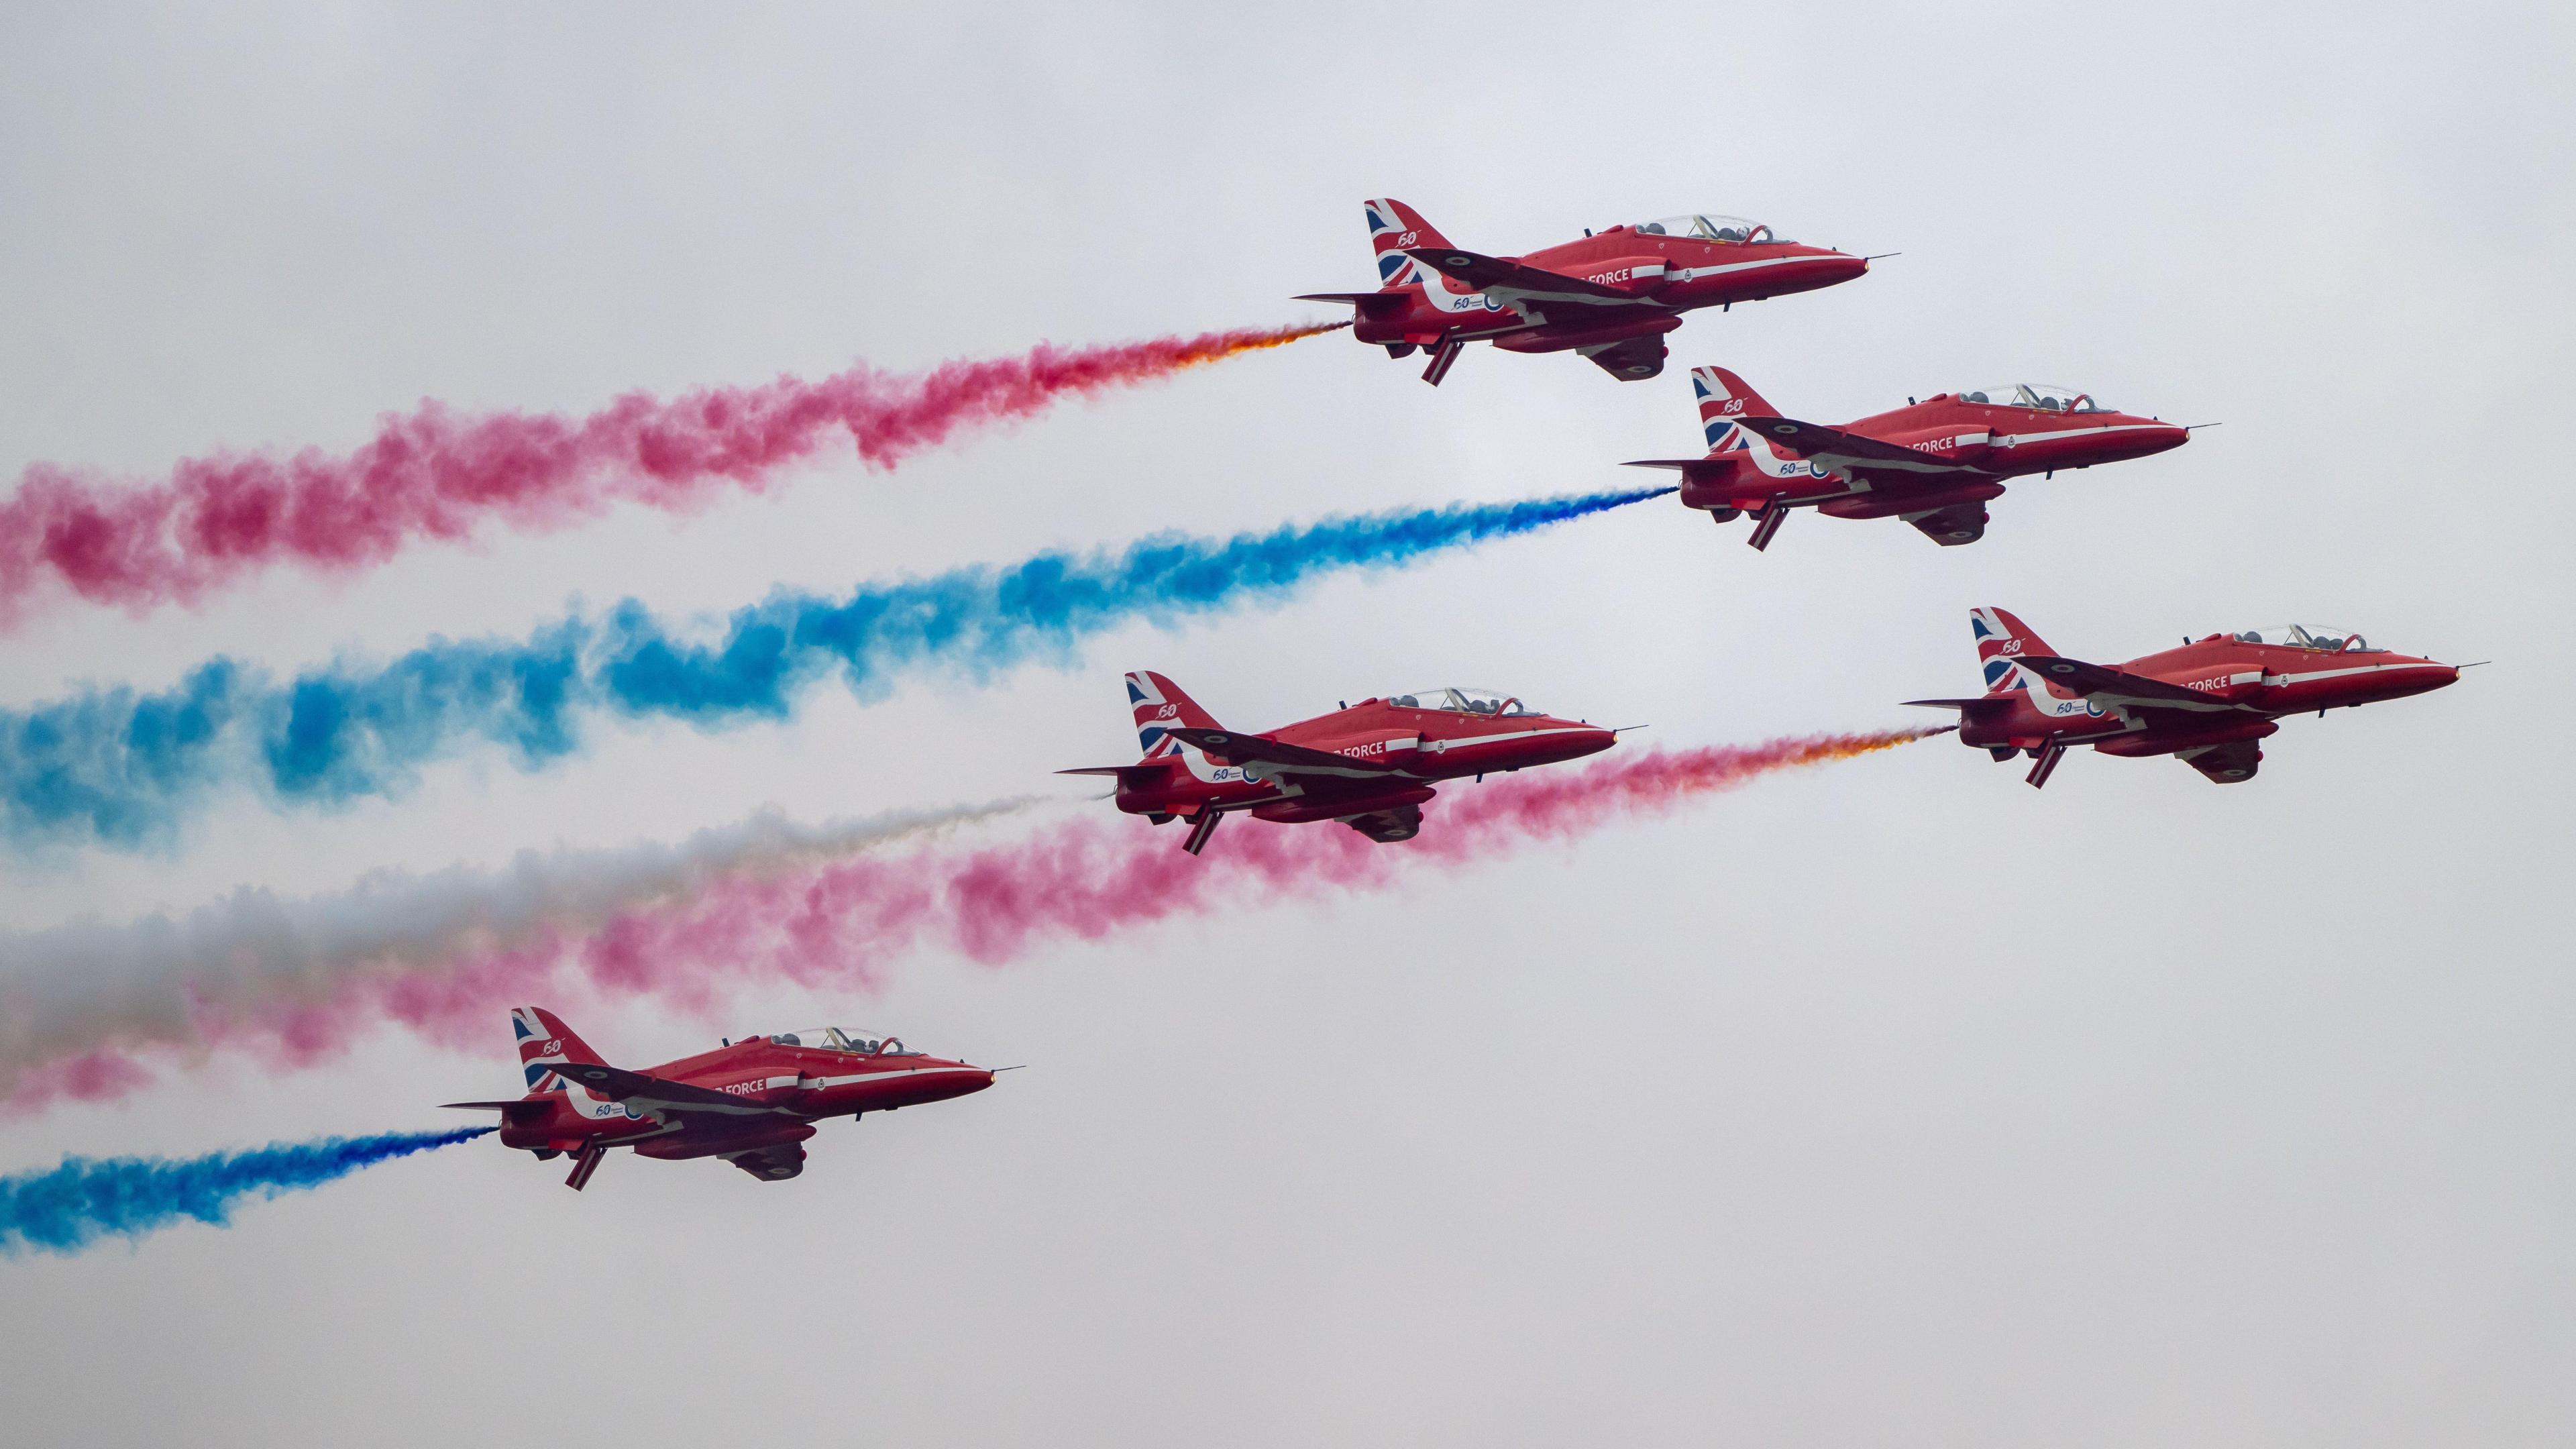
(92, 986)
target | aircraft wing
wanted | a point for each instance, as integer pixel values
(1403, 822)
(1811, 439)
(1957, 524)
(658, 1094)
(1634, 360)
(1283, 759)
(2117, 687)
(1493, 274)
(775, 1163)
(2228, 763)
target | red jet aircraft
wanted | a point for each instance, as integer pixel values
(751, 1102)
(2206, 703)
(1367, 765)
(1933, 463)
(1610, 296)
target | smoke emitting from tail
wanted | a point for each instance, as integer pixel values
(70, 989)
(838, 925)
(71, 1207)
(436, 474)
(121, 768)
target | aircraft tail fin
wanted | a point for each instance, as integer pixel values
(1160, 706)
(1723, 397)
(2003, 641)
(545, 1043)
(1394, 226)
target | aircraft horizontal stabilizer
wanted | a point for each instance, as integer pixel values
(1126, 775)
(524, 1106)
(1971, 711)
(1687, 467)
(1367, 302)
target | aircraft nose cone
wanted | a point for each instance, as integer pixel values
(2410, 675)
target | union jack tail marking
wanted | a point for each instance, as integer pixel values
(1159, 705)
(2002, 641)
(1723, 397)
(1393, 226)
(545, 1043)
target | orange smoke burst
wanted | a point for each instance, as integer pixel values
(1216, 345)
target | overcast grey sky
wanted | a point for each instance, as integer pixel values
(1894, 1103)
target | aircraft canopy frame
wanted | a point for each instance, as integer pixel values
(1710, 226)
(1462, 700)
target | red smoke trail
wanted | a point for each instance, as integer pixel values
(835, 926)
(436, 474)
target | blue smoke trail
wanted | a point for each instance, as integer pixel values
(72, 1206)
(121, 768)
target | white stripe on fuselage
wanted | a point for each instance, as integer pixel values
(1439, 746)
(1272, 772)
(1845, 468)
(1514, 297)
(799, 1079)
(1688, 274)
(2014, 440)
(906, 1074)
(2119, 705)
(1503, 297)
(2276, 681)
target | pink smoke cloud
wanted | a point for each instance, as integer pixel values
(839, 925)
(436, 474)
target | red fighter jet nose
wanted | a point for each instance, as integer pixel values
(2398, 676)
(1593, 741)
(2423, 676)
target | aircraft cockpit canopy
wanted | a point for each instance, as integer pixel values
(834, 1039)
(1462, 701)
(1710, 227)
(2045, 396)
(2305, 636)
